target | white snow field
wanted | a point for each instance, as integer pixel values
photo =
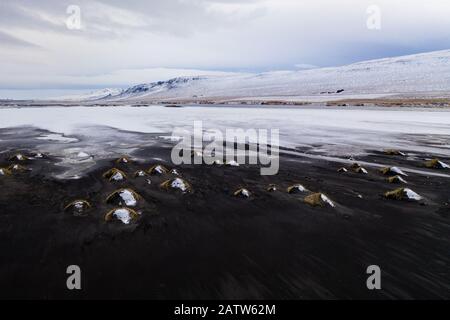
(426, 73)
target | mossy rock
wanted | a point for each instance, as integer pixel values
(125, 215)
(355, 165)
(396, 179)
(124, 197)
(393, 152)
(39, 155)
(318, 200)
(78, 206)
(242, 193)
(436, 164)
(5, 172)
(18, 157)
(176, 184)
(402, 194)
(115, 174)
(158, 169)
(17, 168)
(296, 188)
(360, 170)
(123, 160)
(392, 171)
(140, 174)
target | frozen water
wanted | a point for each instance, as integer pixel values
(333, 132)
(337, 131)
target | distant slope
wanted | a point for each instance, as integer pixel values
(92, 96)
(419, 73)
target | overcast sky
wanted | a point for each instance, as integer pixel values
(122, 43)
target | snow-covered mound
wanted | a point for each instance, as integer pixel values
(419, 73)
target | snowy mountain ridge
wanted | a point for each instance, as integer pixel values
(418, 73)
(94, 95)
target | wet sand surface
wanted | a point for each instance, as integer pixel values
(208, 244)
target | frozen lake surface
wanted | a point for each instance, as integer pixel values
(319, 130)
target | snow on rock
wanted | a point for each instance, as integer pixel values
(128, 197)
(158, 169)
(125, 215)
(177, 184)
(5, 172)
(327, 200)
(403, 194)
(78, 207)
(318, 200)
(232, 163)
(412, 195)
(243, 193)
(394, 152)
(124, 197)
(396, 179)
(393, 171)
(436, 164)
(115, 175)
(18, 157)
(140, 173)
(296, 188)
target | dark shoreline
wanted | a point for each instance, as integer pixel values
(396, 101)
(211, 245)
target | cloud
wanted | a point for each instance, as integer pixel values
(36, 47)
(305, 66)
(8, 40)
(117, 79)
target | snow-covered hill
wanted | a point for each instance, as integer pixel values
(413, 74)
(94, 95)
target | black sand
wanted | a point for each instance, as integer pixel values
(211, 245)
